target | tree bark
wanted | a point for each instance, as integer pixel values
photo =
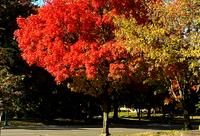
(1, 113)
(105, 131)
(90, 110)
(186, 116)
(116, 106)
(149, 111)
(164, 110)
(185, 105)
(138, 114)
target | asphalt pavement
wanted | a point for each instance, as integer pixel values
(85, 130)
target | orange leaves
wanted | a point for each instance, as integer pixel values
(20, 21)
(134, 8)
(74, 38)
(115, 67)
(99, 3)
(91, 72)
(194, 87)
(175, 86)
(167, 100)
(119, 70)
(107, 19)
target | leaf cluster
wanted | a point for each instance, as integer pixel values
(75, 39)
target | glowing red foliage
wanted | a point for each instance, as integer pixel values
(67, 36)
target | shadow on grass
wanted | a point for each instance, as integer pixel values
(123, 120)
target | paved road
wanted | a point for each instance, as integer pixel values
(86, 130)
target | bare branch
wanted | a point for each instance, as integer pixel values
(179, 85)
(174, 92)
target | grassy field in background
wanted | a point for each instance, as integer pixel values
(156, 118)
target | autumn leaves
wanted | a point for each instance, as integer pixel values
(114, 42)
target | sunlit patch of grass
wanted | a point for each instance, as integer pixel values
(97, 117)
(132, 116)
(159, 133)
(124, 114)
(155, 118)
(23, 123)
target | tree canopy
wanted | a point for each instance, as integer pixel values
(75, 39)
(169, 43)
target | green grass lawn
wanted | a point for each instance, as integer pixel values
(23, 122)
(156, 118)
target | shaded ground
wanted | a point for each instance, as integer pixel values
(125, 119)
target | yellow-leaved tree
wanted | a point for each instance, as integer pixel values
(169, 43)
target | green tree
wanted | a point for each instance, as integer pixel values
(9, 89)
(9, 10)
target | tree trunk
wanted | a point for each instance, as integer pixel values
(164, 111)
(105, 131)
(1, 113)
(90, 110)
(138, 114)
(185, 105)
(149, 111)
(186, 116)
(116, 106)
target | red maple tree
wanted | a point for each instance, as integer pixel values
(75, 39)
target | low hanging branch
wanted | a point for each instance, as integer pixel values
(179, 86)
(172, 89)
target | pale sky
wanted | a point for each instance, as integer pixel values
(39, 3)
